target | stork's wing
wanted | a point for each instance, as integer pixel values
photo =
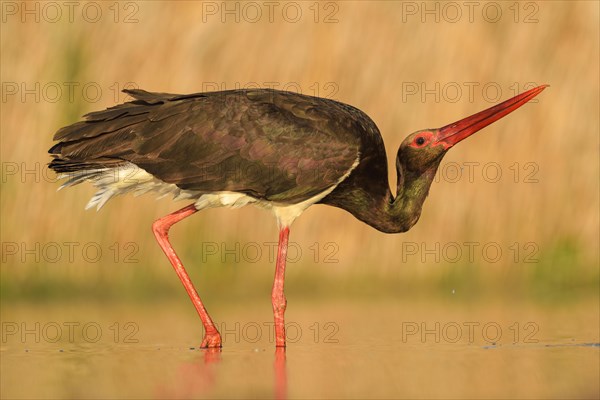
(272, 145)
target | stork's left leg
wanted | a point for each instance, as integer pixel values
(277, 297)
(161, 227)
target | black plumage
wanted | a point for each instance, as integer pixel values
(272, 145)
(277, 146)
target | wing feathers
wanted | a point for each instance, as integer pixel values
(274, 145)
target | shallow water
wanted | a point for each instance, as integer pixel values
(341, 349)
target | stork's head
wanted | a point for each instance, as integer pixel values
(423, 150)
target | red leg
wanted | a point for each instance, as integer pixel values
(277, 297)
(161, 227)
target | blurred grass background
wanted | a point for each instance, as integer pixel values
(370, 55)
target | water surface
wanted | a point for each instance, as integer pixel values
(337, 348)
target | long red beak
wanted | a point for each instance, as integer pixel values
(451, 134)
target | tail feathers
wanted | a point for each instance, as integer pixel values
(101, 173)
(100, 198)
(62, 166)
(75, 178)
(109, 181)
(115, 180)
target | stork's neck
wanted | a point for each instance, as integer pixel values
(373, 203)
(371, 200)
(403, 211)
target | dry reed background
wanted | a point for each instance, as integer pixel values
(370, 55)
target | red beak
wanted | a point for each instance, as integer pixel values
(451, 134)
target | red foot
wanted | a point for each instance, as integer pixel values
(211, 340)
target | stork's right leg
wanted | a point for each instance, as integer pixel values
(161, 227)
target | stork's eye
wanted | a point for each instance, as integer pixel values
(420, 140)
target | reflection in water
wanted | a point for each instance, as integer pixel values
(204, 376)
(280, 373)
(195, 378)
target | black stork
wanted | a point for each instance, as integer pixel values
(279, 150)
